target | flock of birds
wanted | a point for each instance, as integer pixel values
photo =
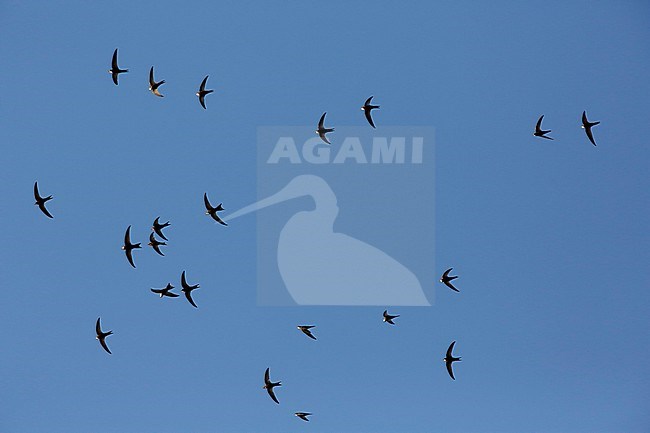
(157, 228)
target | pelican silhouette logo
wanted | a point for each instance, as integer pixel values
(348, 232)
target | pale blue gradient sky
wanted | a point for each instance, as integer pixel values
(550, 238)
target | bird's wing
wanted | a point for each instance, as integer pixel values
(127, 236)
(538, 127)
(450, 349)
(320, 122)
(152, 83)
(267, 379)
(450, 370)
(98, 326)
(188, 295)
(41, 206)
(171, 295)
(114, 76)
(272, 394)
(308, 333)
(156, 248)
(446, 274)
(208, 206)
(368, 101)
(114, 61)
(451, 286)
(37, 196)
(590, 135)
(102, 341)
(584, 118)
(203, 83)
(129, 256)
(184, 281)
(217, 219)
(323, 137)
(369, 117)
(157, 291)
(202, 100)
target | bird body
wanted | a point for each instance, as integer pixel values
(157, 227)
(115, 70)
(306, 330)
(101, 336)
(166, 291)
(128, 247)
(446, 280)
(450, 359)
(40, 201)
(202, 92)
(212, 211)
(187, 289)
(153, 85)
(367, 108)
(389, 318)
(587, 125)
(268, 385)
(539, 132)
(155, 244)
(322, 130)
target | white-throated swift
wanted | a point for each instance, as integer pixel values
(115, 70)
(153, 86)
(187, 289)
(202, 92)
(388, 318)
(539, 132)
(157, 227)
(155, 244)
(212, 211)
(449, 359)
(321, 131)
(128, 247)
(587, 125)
(40, 201)
(367, 108)
(306, 330)
(101, 336)
(268, 386)
(446, 280)
(302, 415)
(166, 291)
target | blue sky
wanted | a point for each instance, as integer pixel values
(550, 238)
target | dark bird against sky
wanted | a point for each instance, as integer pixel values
(101, 336)
(157, 227)
(212, 211)
(539, 132)
(587, 125)
(202, 92)
(40, 201)
(153, 85)
(115, 70)
(187, 289)
(450, 359)
(446, 280)
(322, 130)
(128, 247)
(268, 386)
(367, 108)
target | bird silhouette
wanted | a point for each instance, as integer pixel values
(212, 211)
(101, 336)
(155, 244)
(40, 201)
(166, 291)
(187, 289)
(202, 92)
(157, 227)
(153, 86)
(446, 280)
(539, 132)
(268, 385)
(128, 247)
(587, 125)
(306, 330)
(388, 318)
(367, 108)
(321, 131)
(450, 359)
(115, 70)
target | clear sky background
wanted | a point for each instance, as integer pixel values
(550, 238)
